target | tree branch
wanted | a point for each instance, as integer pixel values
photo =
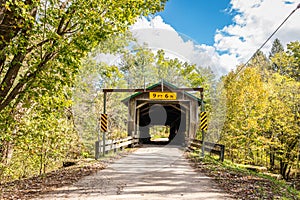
(26, 82)
(28, 50)
(11, 75)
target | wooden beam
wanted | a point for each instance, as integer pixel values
(141, 105)
(175, 107)
(151, 90)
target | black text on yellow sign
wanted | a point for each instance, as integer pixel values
(163, 95)
(203, 121)
(103, 123)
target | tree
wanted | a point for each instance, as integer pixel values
(246, 102)
(286, 120)
(41, 47)
(46, 39)
(282, 127)
(41, 139)
(262, 123)
(288, 62)
(259, 59)
(277, 47)
(88, 101)
(136, 68)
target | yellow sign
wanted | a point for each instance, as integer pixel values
(163, 95)
(103, 123)
(203, 121)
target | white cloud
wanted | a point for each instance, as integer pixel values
(110, 59)
(154, 23)
(159, 35)
(253, 22)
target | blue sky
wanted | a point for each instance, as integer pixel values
(197, 19)
(226, 32)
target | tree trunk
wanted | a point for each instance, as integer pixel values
(272, 158)
(283, 169)
(7, 150)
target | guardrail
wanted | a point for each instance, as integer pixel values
(109, 145)
(218, 149)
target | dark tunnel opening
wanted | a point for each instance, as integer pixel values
(169, 114)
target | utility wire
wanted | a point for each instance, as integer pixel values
(239, 70)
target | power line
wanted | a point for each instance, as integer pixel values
(239, 70)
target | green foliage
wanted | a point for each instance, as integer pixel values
(42, 138)
(262, 123)
(41, 49)
(88, 101)
(137, 67)
(246, 102)
(46, 39)
(157, 132)
(287, 62)
(141, 67)
(276, 47)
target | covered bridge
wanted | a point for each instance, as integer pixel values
(163, 104)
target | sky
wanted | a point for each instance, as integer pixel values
(219, 34)
(187, 16)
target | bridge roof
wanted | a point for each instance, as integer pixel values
(167, 87)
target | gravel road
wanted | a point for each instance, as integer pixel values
(152, 173)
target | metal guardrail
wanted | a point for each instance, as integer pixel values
(101, 149)
(218, 149)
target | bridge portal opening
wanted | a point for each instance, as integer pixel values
(159, 133)
(170, 115)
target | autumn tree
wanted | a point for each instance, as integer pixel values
(37, 33)
(41, 47)
(286, 80)
(288, 62)
(246, 102)
(262, 122)
(283, 119)
(88, 101)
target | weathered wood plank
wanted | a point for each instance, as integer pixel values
(217, 149)
(113, 145)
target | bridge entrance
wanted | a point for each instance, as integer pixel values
(166, 105)
(172, 115)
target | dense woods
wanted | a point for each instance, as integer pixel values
(51, 74)
(41, 47)
(262, 124)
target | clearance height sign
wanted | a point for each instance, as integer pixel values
(163, 95)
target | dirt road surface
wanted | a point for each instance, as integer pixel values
(152, 173)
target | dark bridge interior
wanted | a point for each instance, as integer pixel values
(172, 114)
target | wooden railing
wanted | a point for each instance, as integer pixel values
(213, 148)
(102, 149)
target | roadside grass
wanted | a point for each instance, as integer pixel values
(242, 183)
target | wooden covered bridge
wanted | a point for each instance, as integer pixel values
(164, 104)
